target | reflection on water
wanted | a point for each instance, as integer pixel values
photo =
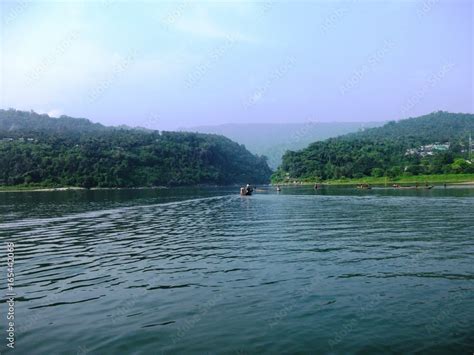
(204, 270)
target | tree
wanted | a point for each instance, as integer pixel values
(377, 172)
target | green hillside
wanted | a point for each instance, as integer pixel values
(432, 144)
(40, 150)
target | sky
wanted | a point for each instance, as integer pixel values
(169, 65)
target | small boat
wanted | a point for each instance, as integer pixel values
(427, 187)
(246, 191)
(364, 186)
(278, 188)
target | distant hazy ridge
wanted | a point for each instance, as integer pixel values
(273, 140)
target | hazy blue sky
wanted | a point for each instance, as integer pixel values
(172, 64)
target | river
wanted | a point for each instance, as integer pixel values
(204, 270)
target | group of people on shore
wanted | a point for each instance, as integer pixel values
(248, 189)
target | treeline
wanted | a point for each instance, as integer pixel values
(40, 150)
(382, 151)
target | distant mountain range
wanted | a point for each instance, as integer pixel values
(273, 140)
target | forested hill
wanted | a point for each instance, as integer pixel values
(437, 126)
(40, 150)
(21, 122)
(432, 144)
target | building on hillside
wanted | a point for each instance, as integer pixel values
(429, 149)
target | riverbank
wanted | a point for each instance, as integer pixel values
(22, 188)
(421, 179)
(458, 179)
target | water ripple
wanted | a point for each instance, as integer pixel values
(230, 270)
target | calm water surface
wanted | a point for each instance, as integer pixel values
(206, 271)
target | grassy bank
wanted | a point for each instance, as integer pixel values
(421, 179)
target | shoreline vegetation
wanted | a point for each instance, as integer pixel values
(452, 179)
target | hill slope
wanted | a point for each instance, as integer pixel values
(273, 140)
(37, 149)
(403, 147)
(21, 122)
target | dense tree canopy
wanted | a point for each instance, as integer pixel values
(38, 149)
(383, 151)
